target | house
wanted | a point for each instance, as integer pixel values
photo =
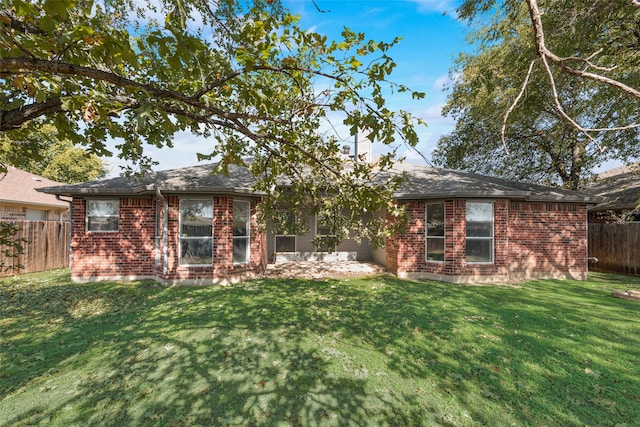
(621, 187)
(193, 227)
(20, 200)
(614, 224)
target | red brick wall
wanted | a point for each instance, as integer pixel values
(131, 250)
(530, 240)
(126, 252)
(547, 237)
(222, 267)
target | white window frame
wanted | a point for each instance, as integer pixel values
(181, 237)
(246, 237)
(490, 238)
(87, 216)
(426, 232)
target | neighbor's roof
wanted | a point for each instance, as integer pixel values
(621, 187)
(424, 182)
(20, 187)
(194, 179)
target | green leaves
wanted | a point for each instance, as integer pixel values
(40, 151)
(541, 145)
(243, 74)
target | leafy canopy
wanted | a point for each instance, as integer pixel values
(244, 74)
(42, 153)
(505, 88)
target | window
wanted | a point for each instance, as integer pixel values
(241, 226)
(435, 231)
(479, 232)
(325, 232)
(103, 215)
(196, 232)
(284, 225)
(36, 215)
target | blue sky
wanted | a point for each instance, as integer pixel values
(431, 34)
(431, 38)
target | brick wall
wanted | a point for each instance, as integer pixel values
(12, 213)
(222, 268)
(547, 238)
(130, 251)
(530, 240)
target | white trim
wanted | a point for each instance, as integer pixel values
(444, 235)
(158, 232)
(180, 237)
(247, 237)
(493, 233)
(86, 215)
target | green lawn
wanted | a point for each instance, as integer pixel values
(375, 351)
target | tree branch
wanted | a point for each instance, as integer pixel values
(13, 119)
(515, 102)
(547, 55)
(29, 65)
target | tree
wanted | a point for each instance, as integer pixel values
(242, 73)
(44, 154)
(524, 117)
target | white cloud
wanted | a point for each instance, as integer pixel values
(442, 82)
(433, 115)
(436, 5)
(182, 154)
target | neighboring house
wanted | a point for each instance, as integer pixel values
(621, 187)
(20, 200)
(189, 226)
(614, 224)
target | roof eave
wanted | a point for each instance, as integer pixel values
(60, 206)
(149, 189)
(463, 195)
(209, 190)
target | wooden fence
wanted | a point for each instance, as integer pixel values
(617, 247)
(46, 248)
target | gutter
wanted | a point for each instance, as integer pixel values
(58, 197)
(164, 254)
(108, 192)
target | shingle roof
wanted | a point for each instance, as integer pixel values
(424, 182)
(20, 187)
(621, 187)
(441, 183)
(194, 179)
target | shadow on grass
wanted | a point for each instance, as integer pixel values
(298, 352)
(174, 356)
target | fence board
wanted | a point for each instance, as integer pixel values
(617, 247)
(47, 247)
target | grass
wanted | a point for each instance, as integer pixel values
(375, 351)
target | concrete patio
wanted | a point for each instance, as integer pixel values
(323, 270)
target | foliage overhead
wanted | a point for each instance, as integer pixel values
(522, 109)
(42, 153)
(242, 73)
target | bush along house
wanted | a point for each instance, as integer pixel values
(190, 226)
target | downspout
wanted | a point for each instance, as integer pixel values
(70, 225)
(164, 241)
(586, 225)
